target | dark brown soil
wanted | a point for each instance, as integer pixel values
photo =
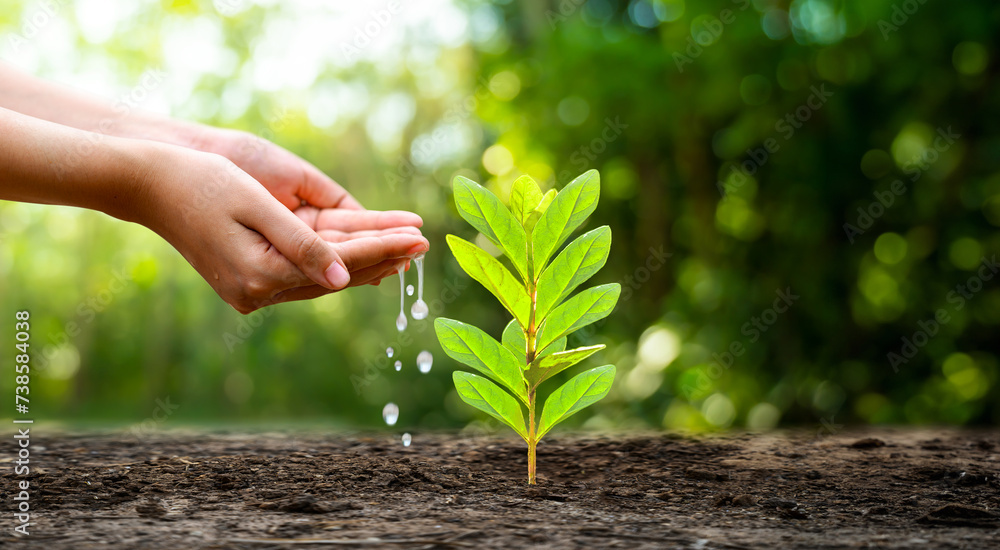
(881, 489)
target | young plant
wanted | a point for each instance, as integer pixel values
(533, 347)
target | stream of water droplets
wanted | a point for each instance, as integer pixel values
(401, 319)
(419, 310)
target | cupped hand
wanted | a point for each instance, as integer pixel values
(341, 225)
(251, 248)
(315, 198)
(338, 225)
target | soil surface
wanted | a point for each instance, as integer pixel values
(876, 488)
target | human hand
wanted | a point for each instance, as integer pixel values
(316, 199)
(289, 178)
(339, 225)
(253, 250)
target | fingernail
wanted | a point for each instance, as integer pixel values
(416, 249)
(337, 276)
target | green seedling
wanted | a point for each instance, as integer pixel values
(533, 346)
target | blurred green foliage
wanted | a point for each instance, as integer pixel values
(752, 307)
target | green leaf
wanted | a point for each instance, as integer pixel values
(484, 211)
(554, 347)
(586, 307)
(550, 365)
(574, 265)
(493, 275)
(524, 198)
(533, 217)
(489, 398)
(581, 391)
(568, 210)
(513, 339)
(473, 347)
(547, 199)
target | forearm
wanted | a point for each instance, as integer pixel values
(47, 163)
(53, 102)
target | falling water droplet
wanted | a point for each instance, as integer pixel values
(424, 361)
(407, 439)
(399, 365)
(409, 290)
(401, 320)
(390, 413)
(419, 310)
(389, 351)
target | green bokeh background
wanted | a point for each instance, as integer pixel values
(664, 97)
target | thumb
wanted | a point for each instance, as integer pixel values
(303, 246)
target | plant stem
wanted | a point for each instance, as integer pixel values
(531, 438)
(532, 331)
(530, 335)
(530, 356)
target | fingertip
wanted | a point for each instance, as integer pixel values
(337, 276)
(419, 249)
(399, 218)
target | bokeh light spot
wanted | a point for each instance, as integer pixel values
(763, 417)
(64, 362)
(718, 410)
(775, 24)
(890, 248)
(672, 10)
(876, 164)
(658, 347)
(970, 58)
(497, 160)
(573, 110)
(911, 143)
(965, 253)
(964, 376)
(505, 85)
(619, 179)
